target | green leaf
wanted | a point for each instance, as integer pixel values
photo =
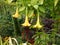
(35, 6)
(57, 17)
(29, 5)
(34, 2)
(55, 2)
(42, 9)
(9, 1)
(53, 44)
(15, 40)
(22, 8)
(31, 12)
(58, 35)
(41, 2)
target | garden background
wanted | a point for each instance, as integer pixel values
(46, 11)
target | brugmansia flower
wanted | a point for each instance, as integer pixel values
(37, 25)
(26, 23)
(16, 14)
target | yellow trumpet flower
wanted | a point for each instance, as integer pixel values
(37, 25)
(26, 23)
(16, 15)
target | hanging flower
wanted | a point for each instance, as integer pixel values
(26, 23)
(37, 25)
(16, 14)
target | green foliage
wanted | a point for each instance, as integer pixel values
(10, 26)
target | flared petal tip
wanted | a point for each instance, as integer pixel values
(37, 26)
(26, 24)
(15, 16)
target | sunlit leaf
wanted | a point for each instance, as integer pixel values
(15, 40)
(55, 2)
(53, 44)
(9, 1)
(41, 2)
(10, 41)
(34, 2)
(35, 6)
(22, 8)
(29, 5)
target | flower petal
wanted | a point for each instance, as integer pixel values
(16, 15)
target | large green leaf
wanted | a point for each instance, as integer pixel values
(42, 9)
